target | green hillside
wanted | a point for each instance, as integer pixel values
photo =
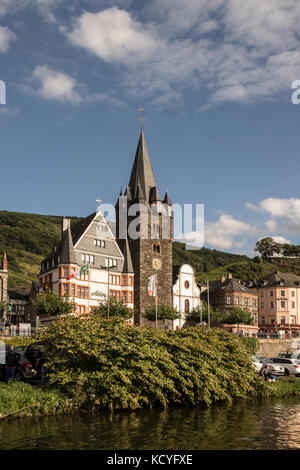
(204, 260)
(28, 238)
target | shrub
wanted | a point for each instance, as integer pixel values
(115, 365)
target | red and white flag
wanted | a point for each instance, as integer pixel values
(152, 286)
(83, 270)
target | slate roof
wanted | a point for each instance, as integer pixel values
(67, 253)
(18, 294)
(142, 177)
(124, 247)
(229, 285)
(279, 279)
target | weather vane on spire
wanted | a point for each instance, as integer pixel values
(98, 200)
(142, 116)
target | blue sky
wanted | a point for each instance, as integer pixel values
(214, 78)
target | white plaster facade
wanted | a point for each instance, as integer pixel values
(186, 293)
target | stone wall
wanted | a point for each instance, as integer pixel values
(272, 347)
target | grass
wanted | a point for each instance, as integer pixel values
(282, 388)
(31, 400)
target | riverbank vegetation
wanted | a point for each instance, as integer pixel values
(21, 399)
(94, 363)
(116, 366)
(283, 387)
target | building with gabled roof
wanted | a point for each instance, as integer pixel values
(278, 303)
(228, 292)
(89, 243)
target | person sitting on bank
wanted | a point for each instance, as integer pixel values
(12, 360)
(265, 371)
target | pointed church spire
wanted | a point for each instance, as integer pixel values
(140, 196)
(128, 194)
(167, 199)
(142, 172)
(68, 254)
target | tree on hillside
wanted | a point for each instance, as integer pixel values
(50, 303)
(164, 312)
(116, 309)
(267, 247)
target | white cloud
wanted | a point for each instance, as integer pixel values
(222, 233)
(254, 55)
(113, 35)
(44, 7)
(6, 36)
(56, 85)
(280, 239)
(277, 207)
(285, 214)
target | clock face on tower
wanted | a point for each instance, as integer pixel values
(156, 263)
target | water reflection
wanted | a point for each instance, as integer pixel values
(244, 425)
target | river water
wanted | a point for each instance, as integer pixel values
(244, 425)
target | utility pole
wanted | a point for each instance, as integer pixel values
(208, 312)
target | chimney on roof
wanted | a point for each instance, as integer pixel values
(5, 262)
(65, 224)
(229, 276)
(223, 279)
(278, 272)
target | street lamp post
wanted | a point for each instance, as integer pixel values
(108, 270)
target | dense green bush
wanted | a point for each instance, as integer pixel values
(118, 366)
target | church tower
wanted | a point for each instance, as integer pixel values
(151, 245)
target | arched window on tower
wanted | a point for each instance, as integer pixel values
(187, 306)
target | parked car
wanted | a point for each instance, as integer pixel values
(286, 355)
(26, 370)
(291, 366)
(275, 369)
(256, 363)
